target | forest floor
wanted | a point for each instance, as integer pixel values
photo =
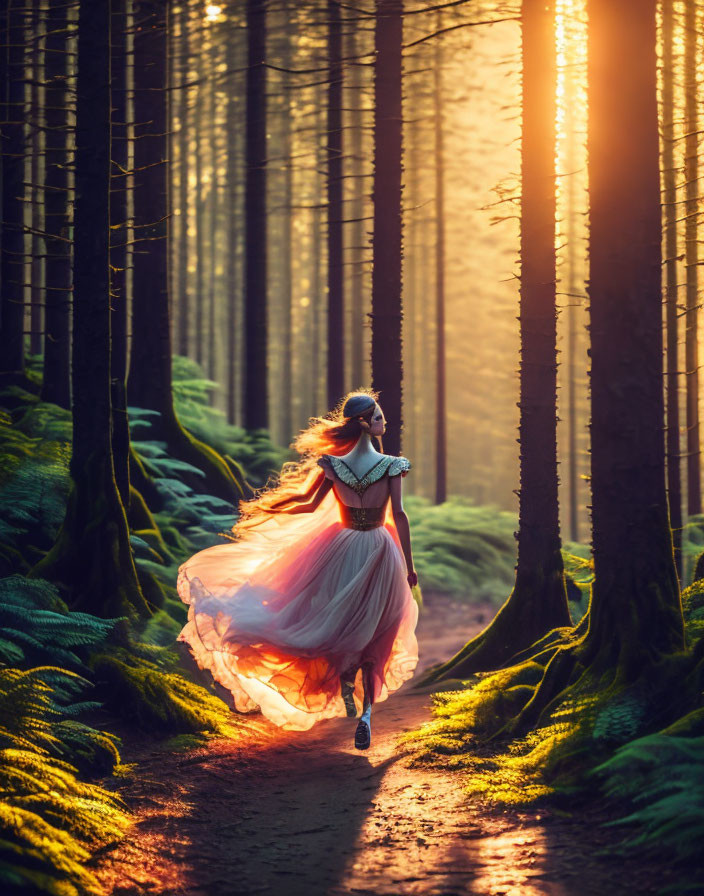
(288, 813)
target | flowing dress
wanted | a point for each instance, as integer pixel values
(278, 617)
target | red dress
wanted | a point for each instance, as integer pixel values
(278, 616)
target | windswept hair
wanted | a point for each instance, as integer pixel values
(336, 433)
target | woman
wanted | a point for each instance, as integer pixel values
(308, 613)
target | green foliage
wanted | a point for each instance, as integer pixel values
(37, 627)
(252, 451)
(50, 819)
(149, 690)
(34, 482)
(661, 777)
(469, 551)
(693, 611)
(462, 549)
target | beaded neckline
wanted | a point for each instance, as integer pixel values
(346, 474)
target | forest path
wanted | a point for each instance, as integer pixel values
(289, 813)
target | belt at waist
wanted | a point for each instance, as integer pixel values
(362, 517)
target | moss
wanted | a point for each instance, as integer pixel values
(148, 693)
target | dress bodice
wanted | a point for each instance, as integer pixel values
(372, 488)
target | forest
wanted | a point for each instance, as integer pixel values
(218, 219)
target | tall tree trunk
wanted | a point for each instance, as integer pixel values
(440, 390)
(38, 250)
(57, 330)
(149, 383)
(232, 194)
(318, 380)
(256, 414)
(12, 22)
(92, 554)
(635, 606)
(288, 322)
(691, 177)
(118, 248)
(182, 296)
(200, 205)
(356, 252)
(538, 602)
(386, 315)
(635, 615)
(214, 204)
(336, 321)
(674, 487)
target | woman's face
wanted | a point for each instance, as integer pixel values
(378, 422)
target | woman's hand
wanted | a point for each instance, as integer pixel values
(412, 578)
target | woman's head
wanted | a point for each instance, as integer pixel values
(367, 411)
(336, 433)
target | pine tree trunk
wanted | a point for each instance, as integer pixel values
(635, 607)
(386, 315)
(538, 602)
(214, 204)
(182, 296)
(691, 249)
(38, 280)
(634, 620)
(336, 323)
(92, 555)
(674, 486)
(57, 334)
(200, 207)
(118, 248)
(440, 389)
(12, 22)
(357, 213)
(233, 289)
(149, 384)
(256, 414)
(287, 371)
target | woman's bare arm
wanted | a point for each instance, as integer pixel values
(401, 520)
(323, 489)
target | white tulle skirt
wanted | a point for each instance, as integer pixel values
(276, 619)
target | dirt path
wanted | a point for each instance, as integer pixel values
(288, 813)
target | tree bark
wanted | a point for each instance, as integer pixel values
(356, 253)
(234, 232)
(386, 314)
(288, 323)
(118, 248)
(538, 602)
(635, 606)
(256, 414)
(674, 486)
(691, 250)
(38, 260)
(92, 554)
(12, 23)
(336, 322)
(182, 296)
(440, 388)
(634, 621)
(57, 333)
(149, 383)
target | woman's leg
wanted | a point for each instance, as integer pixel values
(362, 737)
(347, 680)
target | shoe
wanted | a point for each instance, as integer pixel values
(347, 691)
(363, 734)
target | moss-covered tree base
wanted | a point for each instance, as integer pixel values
(536, 615)
(220, 478)
(92, 559)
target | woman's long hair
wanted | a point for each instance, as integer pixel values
(337, 433)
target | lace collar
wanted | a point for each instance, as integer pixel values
(386, 463)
